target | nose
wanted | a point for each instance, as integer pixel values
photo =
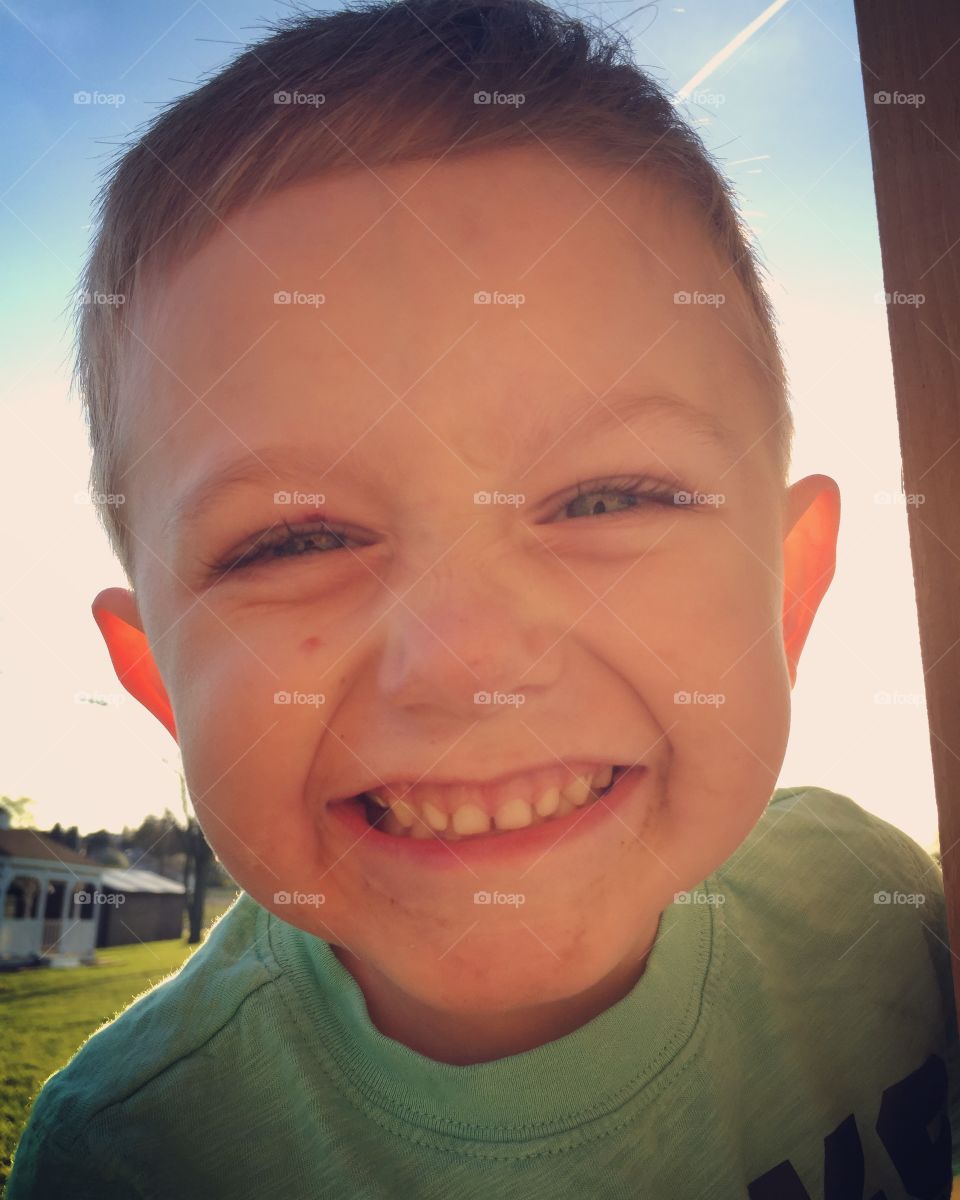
(464, 631)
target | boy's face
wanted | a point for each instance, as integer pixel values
(398, 398)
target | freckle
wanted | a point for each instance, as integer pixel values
(311, 643)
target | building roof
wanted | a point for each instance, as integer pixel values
(132, 880)
(28, 843)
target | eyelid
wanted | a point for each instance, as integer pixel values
(637, 484)
(265, 541)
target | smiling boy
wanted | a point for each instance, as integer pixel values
(453, 436)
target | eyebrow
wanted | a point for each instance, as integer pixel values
(273, 461)
(255, 467)
(627, 407)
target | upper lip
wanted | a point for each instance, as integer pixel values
(399, 783)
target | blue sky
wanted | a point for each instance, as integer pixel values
(785, 114)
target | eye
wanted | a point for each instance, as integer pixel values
(282, 541)
(613, 496)
(600, 497)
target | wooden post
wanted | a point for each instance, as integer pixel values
(910, 60)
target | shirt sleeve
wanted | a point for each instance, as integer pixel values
(47, 1165)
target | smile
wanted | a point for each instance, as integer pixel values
(461, 812)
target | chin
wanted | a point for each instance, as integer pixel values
(510, 972)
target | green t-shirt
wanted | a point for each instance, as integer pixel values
(791, 1037)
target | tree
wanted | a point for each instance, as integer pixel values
(197, 863)
(21, 816)
(160, 837)
(66, 837)
(97, 843)
(111, 857)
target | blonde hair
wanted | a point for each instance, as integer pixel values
(398, 81)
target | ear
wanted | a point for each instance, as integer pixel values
(812, 521)
(115, 612)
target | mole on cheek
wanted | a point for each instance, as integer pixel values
(311, 643)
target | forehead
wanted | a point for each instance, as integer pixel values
(385, 273)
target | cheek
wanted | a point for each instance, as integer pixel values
(712, 674)
(702, 609)
(249, 725)
(247, 670)
(734, 659)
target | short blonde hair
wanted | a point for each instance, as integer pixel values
(398, 80)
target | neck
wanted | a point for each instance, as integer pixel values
(465, 1038)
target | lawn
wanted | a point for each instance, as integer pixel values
(46, 1015)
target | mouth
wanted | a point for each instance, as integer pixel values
(457, 814)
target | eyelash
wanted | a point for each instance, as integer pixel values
(272, 543)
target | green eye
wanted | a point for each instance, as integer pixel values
(599, 497)
(595, 507)
(615, 496)
(284, 541)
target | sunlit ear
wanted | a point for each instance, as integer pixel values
(812, 523)
(115, 612)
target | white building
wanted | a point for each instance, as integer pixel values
(48, 893)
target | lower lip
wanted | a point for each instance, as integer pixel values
(515, 848)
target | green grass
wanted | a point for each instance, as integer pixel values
(47, 1014)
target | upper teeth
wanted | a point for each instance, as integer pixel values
(418, 816)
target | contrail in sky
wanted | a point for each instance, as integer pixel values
(730, 48)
